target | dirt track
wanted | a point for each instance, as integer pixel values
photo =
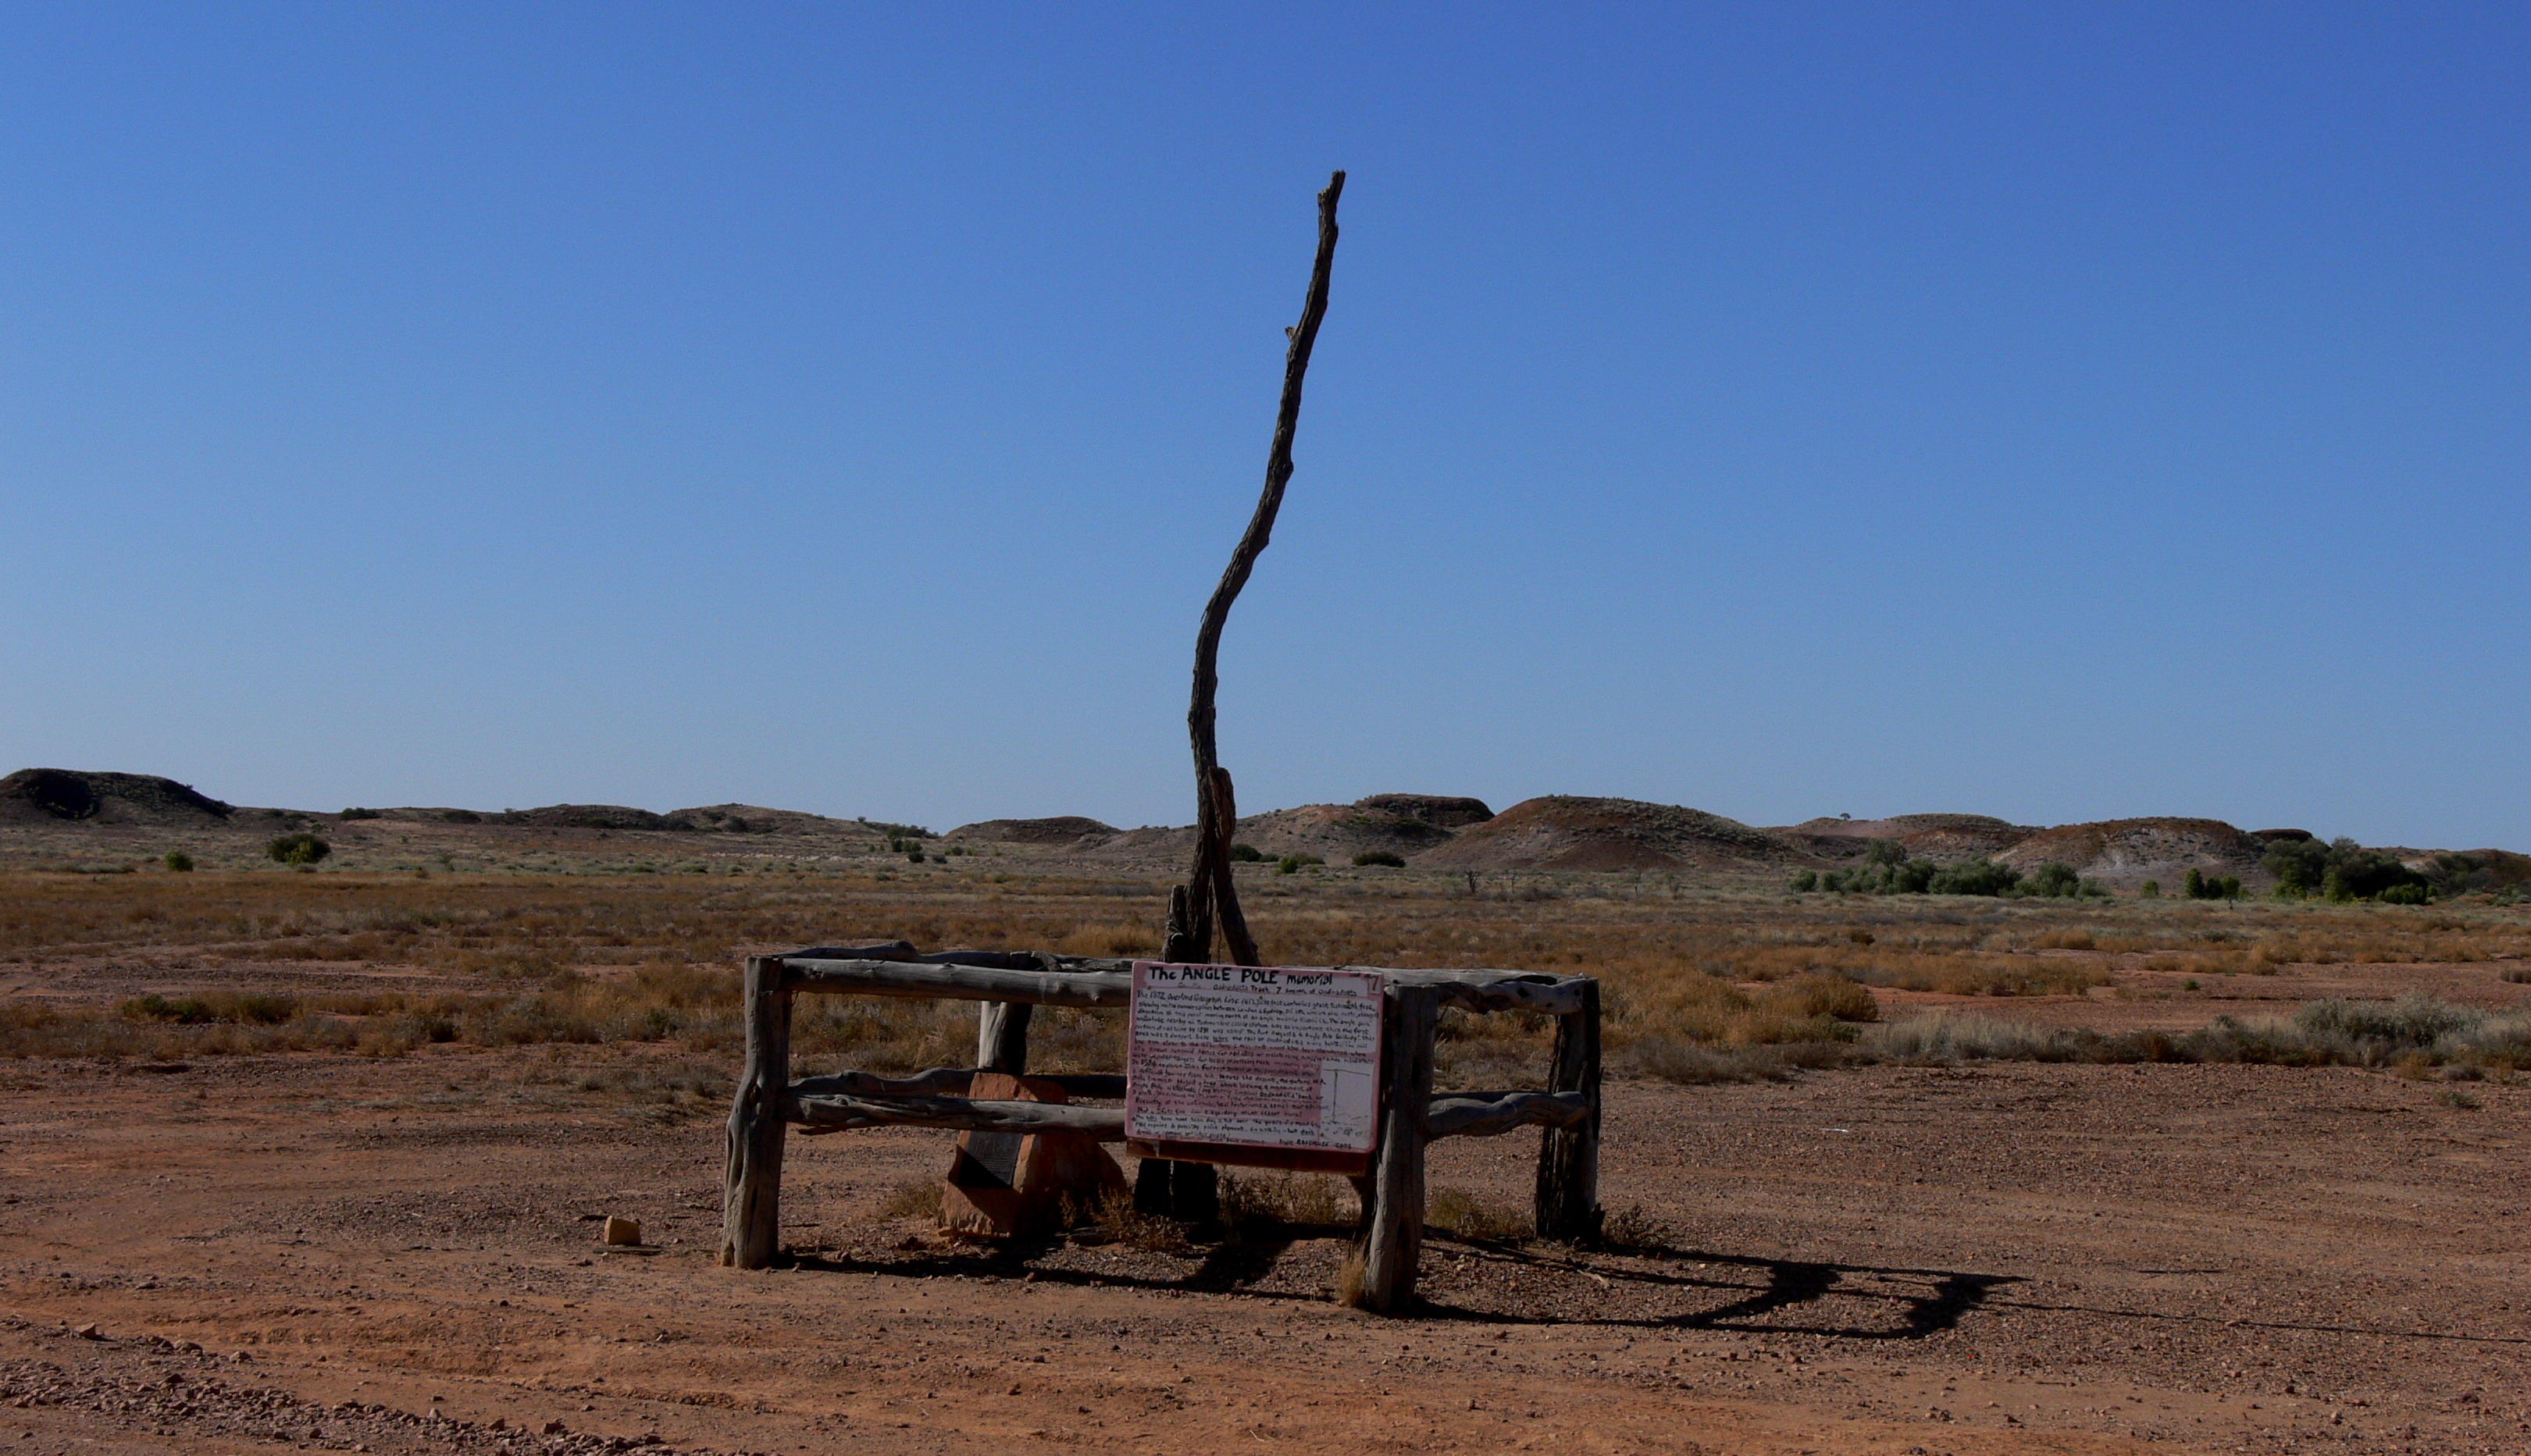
(2009, 1259)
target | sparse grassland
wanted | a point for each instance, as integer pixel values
(1702, 983)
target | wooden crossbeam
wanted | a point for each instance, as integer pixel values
(1491, 1113)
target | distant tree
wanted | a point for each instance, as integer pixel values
(2301, 866)
(2149, 890)
(1246, 854)
(1805, 881)
(179, 861)
(2055, 879)
(350, 815)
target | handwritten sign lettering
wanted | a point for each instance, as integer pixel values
(1255, 1057)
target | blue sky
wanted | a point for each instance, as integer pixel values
(2056, 412)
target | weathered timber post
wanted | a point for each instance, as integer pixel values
(751, 1179)
(1568, 1158)
(1002, 1035)
(1393, 1239)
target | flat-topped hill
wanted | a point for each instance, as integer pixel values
(1943, 838)
(1564, 832)
(1069, 829)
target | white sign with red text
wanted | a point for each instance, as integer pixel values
(1255, 1056)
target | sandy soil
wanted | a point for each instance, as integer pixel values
(2004, 1259)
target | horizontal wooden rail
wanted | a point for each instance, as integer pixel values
(1491, 1113)
(858, 1099)
(1492, 990)
(960, 982)
(840, 1110)
(1039, 978)
(951, 1082)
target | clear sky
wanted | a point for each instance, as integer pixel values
(2049, 411)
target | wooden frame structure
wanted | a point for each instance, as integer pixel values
(1388, 1240)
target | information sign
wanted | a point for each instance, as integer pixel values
(1261, 1065)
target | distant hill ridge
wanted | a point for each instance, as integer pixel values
(1556, 831)
(58, 795)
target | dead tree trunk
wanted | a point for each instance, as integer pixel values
(1211, 897)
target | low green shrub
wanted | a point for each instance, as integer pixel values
(1381, 858)
(302, 848)
(179, 861)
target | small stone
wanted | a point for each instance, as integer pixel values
(623, 1231)
(554, 1428)
(89, 1332)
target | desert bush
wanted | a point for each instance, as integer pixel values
(1381, 858)
(1247, 854)
(302, 848)
(1819, 994)
(1294, 864)
(179, 861)
(2149, 890)
(1980, 876)
(350, 815)
(1805, 881)
(2413, 1034)
(462, 817)
(2414, 1020)
(1944, 1039)
(240, 1008)
(2052, 880)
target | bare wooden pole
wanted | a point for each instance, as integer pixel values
(751, 1177)
(1212, 895)
(1568, 1157)
(1391, 1240)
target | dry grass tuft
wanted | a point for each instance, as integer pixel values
(1118, 1221)
(912, 1198)
(1285, 1199)
(1475, 1220)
